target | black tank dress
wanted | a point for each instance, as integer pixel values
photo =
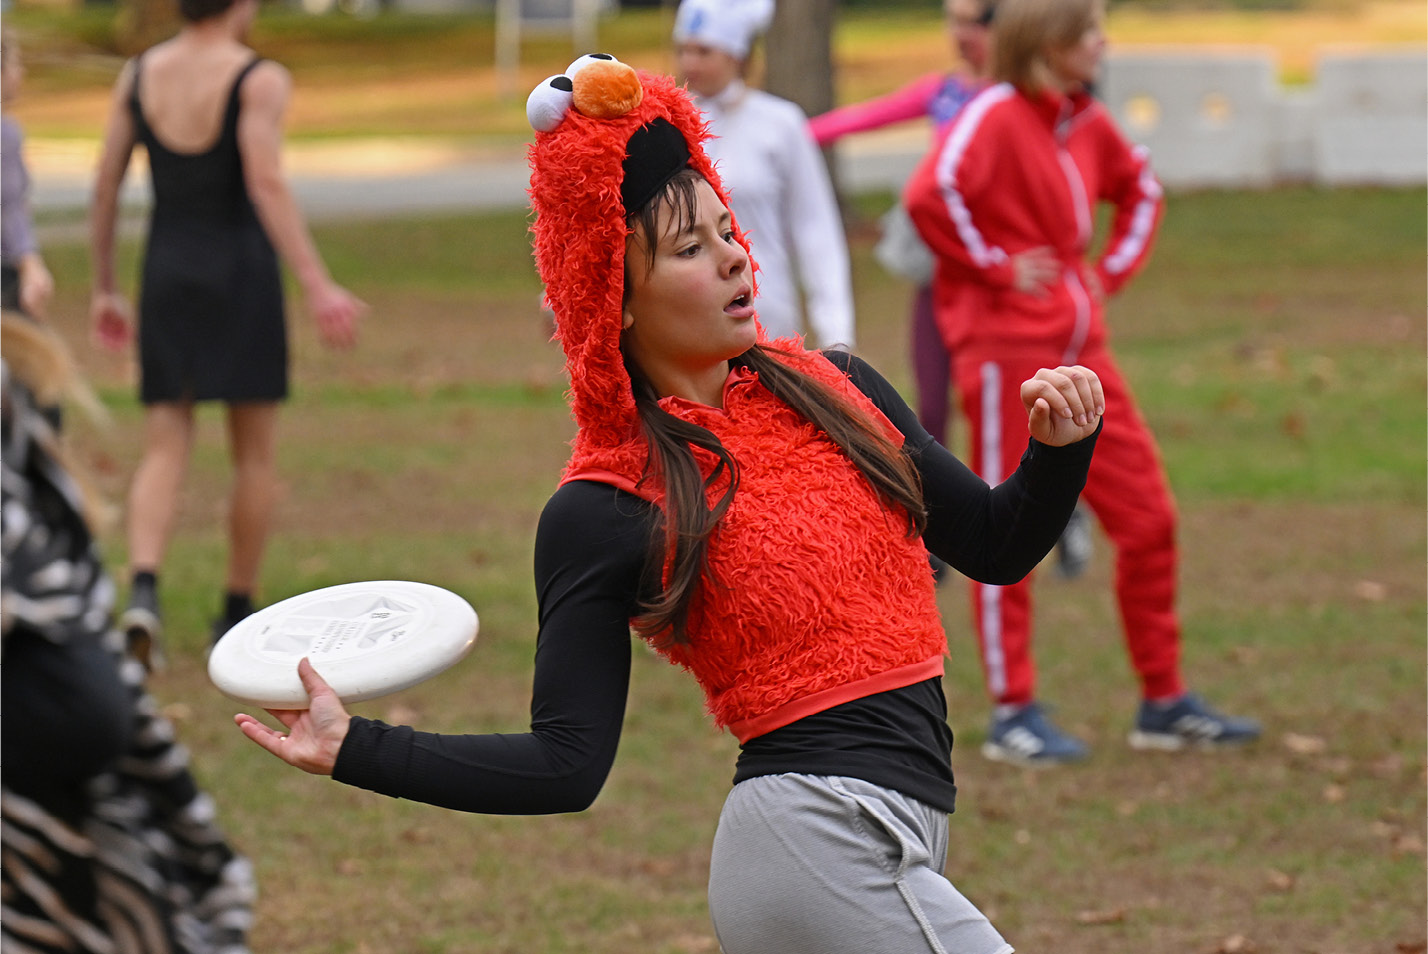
(211, 322)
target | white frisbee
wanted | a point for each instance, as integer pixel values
(366, 639)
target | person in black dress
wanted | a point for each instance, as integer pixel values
(211, 321)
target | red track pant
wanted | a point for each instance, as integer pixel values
(1129, 495)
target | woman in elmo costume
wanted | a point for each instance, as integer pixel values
(758, 514)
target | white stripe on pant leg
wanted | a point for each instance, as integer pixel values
(993, 656)
(992, 423)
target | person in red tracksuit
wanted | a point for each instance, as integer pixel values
(1006, 202)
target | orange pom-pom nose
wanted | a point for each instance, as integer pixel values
(606, 89)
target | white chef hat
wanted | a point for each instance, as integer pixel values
(728, 25)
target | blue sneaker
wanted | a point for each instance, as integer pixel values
(1189, 722)
(1027, 737)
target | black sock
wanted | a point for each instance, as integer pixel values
(236, 606)
(145, 579)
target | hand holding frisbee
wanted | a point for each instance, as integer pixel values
(367, 639)
(314, 734)
(370, 638)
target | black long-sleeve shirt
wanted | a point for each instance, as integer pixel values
(590, 553)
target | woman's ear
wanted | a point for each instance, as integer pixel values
(633, 252)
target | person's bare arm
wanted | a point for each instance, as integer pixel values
(265, 95)
(37, 285)
(108, 311)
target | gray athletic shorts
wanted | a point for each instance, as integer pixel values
(814, 864)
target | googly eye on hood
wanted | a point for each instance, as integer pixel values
(596, 85)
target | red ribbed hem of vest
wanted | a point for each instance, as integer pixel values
(606, 477)
(899, 678)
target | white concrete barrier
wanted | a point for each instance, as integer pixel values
(1207, 120)
(1221, 119)
(1372, 119)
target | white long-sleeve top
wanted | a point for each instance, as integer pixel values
(782, 198)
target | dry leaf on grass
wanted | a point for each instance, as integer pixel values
(993, 812)
(1371, 591)
(1390, 766)
(1412, 947)
(1279, 881)
(1408, 844)
(1304, 744)
(1115, 916)
(1402, 841)
(351, 867)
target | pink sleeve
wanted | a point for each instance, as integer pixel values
(904, 104)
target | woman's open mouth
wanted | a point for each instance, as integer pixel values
(742, 306)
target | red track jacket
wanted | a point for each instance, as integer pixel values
(1014, 172)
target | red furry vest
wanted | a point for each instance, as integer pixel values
(814, 595)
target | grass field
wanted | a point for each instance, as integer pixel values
(1277, 345)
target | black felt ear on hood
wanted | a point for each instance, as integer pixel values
(656, 152)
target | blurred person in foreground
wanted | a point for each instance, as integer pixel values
(212, 327)
(778, 181)
(109, 845)
(1011, 239)
(26, 285)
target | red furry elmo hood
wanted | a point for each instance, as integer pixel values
(584, 119)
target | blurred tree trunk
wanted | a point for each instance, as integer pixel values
(799, 54)
(799, 62)
(142, 23)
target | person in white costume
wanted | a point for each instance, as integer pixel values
(777, 181)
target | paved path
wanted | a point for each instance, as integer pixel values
(375, 177)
